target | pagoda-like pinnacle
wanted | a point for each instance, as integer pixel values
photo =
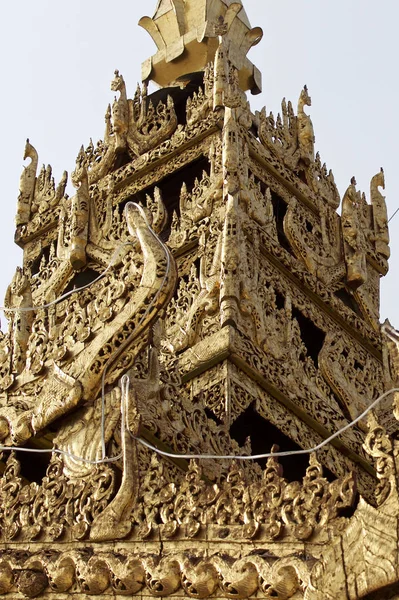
(187, 34)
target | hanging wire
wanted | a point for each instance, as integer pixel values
(125, 386)
(102, 461)
(62, 453)
(269, 454)
(388, 331)
(80, 289)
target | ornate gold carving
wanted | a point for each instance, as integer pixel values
(194, 302)
(39, 199)
(353, 374)
(79, 220)
(19, 296)
(123, 327)
(134, 126)
(266, 316)
(27, 185)
(120, 112)
(201, 103)
(265, 508)
(380, 217)
(316, 240)
(59, 504)
(113, 523)
(131, 573)
(306, 137)
(290, 140)
(280, 136)
(366, 296)
(353, 218)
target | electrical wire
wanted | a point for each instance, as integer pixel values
(80, 289)
(125, 385)
(104, 459)
(388, 331)
(269, 454)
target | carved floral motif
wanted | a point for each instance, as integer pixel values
(70, 501)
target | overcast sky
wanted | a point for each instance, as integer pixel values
(58, 58)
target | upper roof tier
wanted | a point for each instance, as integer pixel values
(186, 34)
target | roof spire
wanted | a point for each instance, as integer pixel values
(186, 33)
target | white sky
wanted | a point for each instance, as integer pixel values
(58, 58)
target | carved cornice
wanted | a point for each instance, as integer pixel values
(117, 572)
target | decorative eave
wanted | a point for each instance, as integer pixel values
(345, 558)
(187, 40)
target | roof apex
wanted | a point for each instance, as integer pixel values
(185, 35)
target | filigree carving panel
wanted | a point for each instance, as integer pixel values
(176, 416)
(297, 430)
(227, 391)
(224, 390)
(210, 388)
(263, 164)
(175, 150)
(325, 324)
(139, 176)
(194, 312)
(309, 280)
(34, 249)
(356, 377)
(368, 297)
(316, 239)
(311, 393)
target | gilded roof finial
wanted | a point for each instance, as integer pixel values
(186, 34)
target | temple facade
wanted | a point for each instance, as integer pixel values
(203, 309)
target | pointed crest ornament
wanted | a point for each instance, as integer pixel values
(186, 35)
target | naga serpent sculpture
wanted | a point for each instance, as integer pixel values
(79, 380)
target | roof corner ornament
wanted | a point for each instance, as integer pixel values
(27, 185)
(306, 137)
